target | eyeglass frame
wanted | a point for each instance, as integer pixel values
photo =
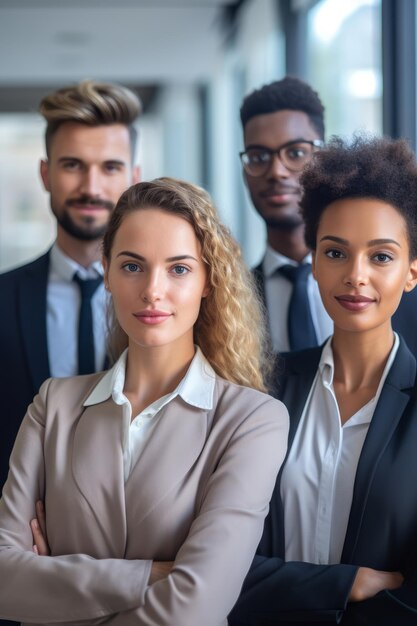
(316, 143)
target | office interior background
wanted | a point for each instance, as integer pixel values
(192, 62)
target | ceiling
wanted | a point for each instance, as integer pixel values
(144, 42)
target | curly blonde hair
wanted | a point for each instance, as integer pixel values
(93, 104)
(230, 328)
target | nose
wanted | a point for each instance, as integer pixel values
(356, 272)
(277, 169)
(91, 183)
(153, 287)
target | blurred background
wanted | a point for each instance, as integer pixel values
(192, 62)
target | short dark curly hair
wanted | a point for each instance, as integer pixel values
(366, 167)
(287, 94)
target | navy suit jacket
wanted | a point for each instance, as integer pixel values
(382, 527)
(404, 320)
(23, 347)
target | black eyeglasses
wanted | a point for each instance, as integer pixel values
(294, 155)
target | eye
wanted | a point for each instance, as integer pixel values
(334, 253)
(111, 167)
(132, 267)
(382, 257)
(298, 152)
(71, 165)
(180, 270)
(256, 157)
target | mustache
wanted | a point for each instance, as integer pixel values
(89, 201)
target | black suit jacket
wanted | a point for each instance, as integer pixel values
(23, 347)
(382, 528)
(404, 320)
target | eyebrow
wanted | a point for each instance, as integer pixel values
(372, 242)
(171, 259)
(78, 160)
(252, 146)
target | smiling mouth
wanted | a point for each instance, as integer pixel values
(355, 302)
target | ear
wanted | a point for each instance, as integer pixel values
(136, 174)
(44, 172)
(411, 277)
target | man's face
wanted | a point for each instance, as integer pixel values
(276, 194)
(88, 169)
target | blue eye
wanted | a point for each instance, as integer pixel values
(131, 267)
(180, 270)
(382, 257)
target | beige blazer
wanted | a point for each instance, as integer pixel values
(198, 495)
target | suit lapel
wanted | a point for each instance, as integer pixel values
(300, 369)
(391, 405)
(98, 469)
(172, 449)
(32, 317)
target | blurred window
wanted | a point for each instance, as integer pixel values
(26, 226)
(344, 63)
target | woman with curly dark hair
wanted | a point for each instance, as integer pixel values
(340, 542)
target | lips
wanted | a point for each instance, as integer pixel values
(279, 191)
(152, 316)
(355, 302)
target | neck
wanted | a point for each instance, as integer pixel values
(290, 243)
(360, 358)
(153, 372)
(83, 252)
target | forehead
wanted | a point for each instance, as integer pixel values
(99, 143)
(362, 219)
(153, 230)
(274, 129)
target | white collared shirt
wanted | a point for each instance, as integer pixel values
(196, 388)
(278, 290)
(319, 475)
(63, 301)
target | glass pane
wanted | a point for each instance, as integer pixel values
(26, 225)
(344, 63)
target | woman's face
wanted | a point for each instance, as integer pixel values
(362, 262)
(157, 278)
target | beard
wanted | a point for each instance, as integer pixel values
(86, 231)
(285, 223)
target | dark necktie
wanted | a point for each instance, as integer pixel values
(86, 358)
(301, 332)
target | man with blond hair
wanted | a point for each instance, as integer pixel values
(53, 320)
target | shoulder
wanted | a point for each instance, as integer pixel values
(57, 395)
(37, 267)
(301, 363)
(238, 404)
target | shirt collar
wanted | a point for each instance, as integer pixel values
(326, 364)
(273, 260)
(65, 267)
(196, 388)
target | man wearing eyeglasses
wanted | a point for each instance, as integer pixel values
(283, 125)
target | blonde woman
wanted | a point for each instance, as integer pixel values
(156, 475)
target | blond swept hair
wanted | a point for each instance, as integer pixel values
(93, 104)
(230, 326)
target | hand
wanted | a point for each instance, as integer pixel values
(160, 569)
(369, 582)
(38, 527)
